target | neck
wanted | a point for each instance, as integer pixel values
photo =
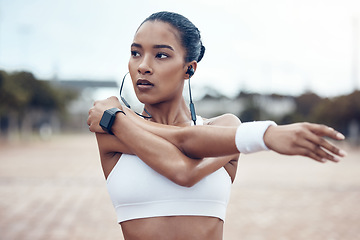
(175, 112)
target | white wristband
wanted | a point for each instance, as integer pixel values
(249, 136)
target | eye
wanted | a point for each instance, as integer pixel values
(162, 55)
(135, 54)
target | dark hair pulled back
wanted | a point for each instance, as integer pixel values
(189, 33)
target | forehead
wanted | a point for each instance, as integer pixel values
(157, 32)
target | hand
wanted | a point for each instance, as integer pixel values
(96, 112)
(304, 139)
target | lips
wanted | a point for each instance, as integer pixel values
(144, 85)
(144, 82)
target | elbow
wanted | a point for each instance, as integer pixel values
(184, 179)
(181, 137)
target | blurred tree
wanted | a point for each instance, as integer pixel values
(339, 112)
(12, 96)
(305, 104)
(252, 111)
(21, 93)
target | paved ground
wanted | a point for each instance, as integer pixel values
(55, 190)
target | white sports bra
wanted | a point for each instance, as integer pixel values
(137, 191)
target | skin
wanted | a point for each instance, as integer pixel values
(188, 154)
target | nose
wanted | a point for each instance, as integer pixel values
(145, 66)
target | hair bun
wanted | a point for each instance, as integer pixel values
(202, 52)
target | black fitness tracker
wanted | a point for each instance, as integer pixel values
(108, 119)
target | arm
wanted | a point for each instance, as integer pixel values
(196, 141)
(213, 140)
(305, 139)
(160, 154)
(204, 141)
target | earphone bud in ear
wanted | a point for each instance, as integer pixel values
(190, 71)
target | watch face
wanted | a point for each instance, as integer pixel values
(105, 120)
(108, 119)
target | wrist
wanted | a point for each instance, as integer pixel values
(267, 136)
(249, 137)
(108, 119)
(120, 123)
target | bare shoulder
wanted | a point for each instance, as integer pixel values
(227, 119)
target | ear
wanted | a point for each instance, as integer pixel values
(193, 65)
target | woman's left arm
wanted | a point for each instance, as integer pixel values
(214, 140)
(211, 141)
(159, 153)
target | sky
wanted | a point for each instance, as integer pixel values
(263, 46)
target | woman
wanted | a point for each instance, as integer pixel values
(168, 179)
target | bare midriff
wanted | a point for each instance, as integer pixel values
(173, 228)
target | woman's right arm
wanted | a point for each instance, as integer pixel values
(159, 143)
(304, 139)
(160, 154)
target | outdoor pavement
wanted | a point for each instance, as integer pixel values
(56, 190)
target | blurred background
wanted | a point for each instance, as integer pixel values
(283, 60)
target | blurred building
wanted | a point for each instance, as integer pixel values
(211, 104)
(79, 108)
(268, 106)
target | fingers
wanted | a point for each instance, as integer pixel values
(89, 115)
(321, 142)
(96, 112)
(313, 155)
(318, 148)
(325, 131)
(321, 131)
(316, 151)
(305, 139)
(91, 120)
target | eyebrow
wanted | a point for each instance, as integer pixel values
(155, 46)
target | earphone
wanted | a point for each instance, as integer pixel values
(191, 72)
(128, 105)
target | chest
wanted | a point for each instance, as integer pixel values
(132, 181)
